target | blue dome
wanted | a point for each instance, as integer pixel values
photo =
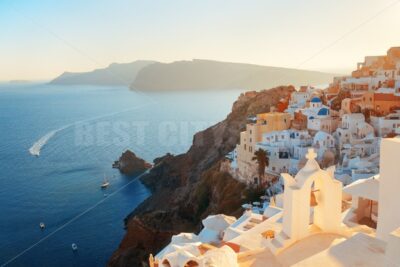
(323, 112)
(316, 100)
(311, 118)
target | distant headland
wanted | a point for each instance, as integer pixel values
(115, 74)
(196, 74)
(19, 81)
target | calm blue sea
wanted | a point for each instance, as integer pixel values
(79, 131)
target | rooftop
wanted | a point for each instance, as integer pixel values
(327, 250)
(365, 188)
(316, 100)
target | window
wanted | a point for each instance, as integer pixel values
(251, 140)
(245, 147)
(283, 155)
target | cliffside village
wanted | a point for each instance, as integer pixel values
(331, 167)
(347, 135)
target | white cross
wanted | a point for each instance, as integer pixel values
(311, 154)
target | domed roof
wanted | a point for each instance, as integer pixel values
(316, 99)
(323, 112)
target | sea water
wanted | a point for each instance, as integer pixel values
(57, 143)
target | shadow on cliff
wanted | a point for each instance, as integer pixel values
(188, 187)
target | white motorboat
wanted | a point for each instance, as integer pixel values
(74, 246)
(105, 183)
(42, 225)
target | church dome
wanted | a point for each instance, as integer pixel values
(316, 100)
(323, 112)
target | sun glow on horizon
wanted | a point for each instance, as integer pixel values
(41, 41)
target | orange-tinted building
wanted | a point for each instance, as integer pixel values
(299, 121)
(282, 105)
(381, 103)
(385, 103)
(367, 101)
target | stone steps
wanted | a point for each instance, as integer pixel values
(281, 241)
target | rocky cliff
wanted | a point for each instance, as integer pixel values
(188, 187)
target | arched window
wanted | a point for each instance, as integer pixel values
(166, 263)
(191, 263)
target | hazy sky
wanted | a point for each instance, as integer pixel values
(42, 39)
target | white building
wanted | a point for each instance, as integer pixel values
(351, 121)
(323, 142)
(364, 129)
(299, 98)
(319, 225)
(315, 102)
(285, 149)
(387, 124)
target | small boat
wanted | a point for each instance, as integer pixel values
(42, 225)
(105, 183)
(74, 247)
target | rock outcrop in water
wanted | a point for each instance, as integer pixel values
(188, 187)
(130, 164)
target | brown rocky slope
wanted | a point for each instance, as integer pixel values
(188, 187)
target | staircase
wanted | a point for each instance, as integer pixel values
(281, 241)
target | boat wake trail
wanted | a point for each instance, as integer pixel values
(39, 144)
(36, 148)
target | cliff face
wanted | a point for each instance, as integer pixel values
(208, 74)
(188, 187)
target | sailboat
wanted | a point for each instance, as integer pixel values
(105, 183)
